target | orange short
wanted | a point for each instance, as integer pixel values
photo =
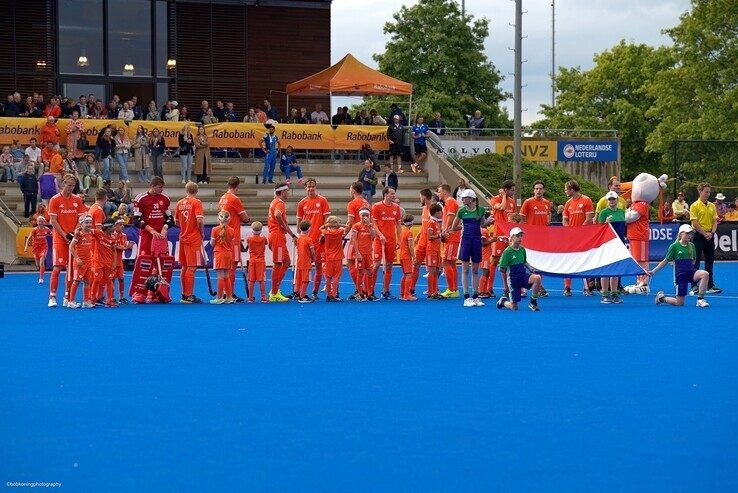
(83, 272)
(257, 271)
(386, 251)
(39, 255)
(365, 262)
(498, 247)
(278, 246)
(102, 274)
(59, 253)
(319, 254)
(190, 255)
(302, 276)
(420, 250)
(333, 268)
(639, 250)
(451, 251)
(223, 260)
(407, 265)
(433, 259)
(484, 264)
(118, 272)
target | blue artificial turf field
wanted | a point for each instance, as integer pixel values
(386, 396)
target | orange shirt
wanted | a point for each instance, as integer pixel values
(38, 238)
(84, 245)
(333, 244)
(257, 247)
(405, 237)
(231, 203)
(120, 240)
(314, 210)
(304, 244)
(353, 207)
(186, 213)
(536, 211)
(224, 245)
(450, 208)
(422, 238)
(576, 210)
(434, 245)
(272, 224)
(640, 230)
(387, 217)
(103, 253)
(67, 211)
(364, 238)
(503, 215)
(98, 215)
(56, 164)
(486, 249)
(49, 133)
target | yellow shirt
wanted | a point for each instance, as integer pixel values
(679, 207)
(731, 216)
(602, 205)
(704, 214)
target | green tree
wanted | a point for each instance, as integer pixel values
(441, 52)
(697, 98)
(613, 95)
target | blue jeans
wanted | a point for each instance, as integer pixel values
(287, 170)
(367, 194)
(143, 175)
(122, 158)
(107, 168)
(270, 161)
(186, 170)
(109, 208)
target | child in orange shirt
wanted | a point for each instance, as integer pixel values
(39, 245)
(433, 251)
(81, 251)
(222, 240)
(363, 234)
(485, 286)
(104, 260)
(407, 257)
(256, 244)
(121, 244)
(305, 258)
(332, 235)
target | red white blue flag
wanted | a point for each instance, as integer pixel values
(594, 250)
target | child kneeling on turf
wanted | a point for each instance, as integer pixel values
(514, 259)
(221, 239)
(682, 253)
(257, 264)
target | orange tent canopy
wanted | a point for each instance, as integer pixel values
(348, 77)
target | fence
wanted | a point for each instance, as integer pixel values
(712, 161)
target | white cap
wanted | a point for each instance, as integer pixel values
(516, 231)
(720, 196)
(685, 228)
(611, 195)
(468, 193)
(175, 103)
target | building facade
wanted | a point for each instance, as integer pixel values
(242, 51)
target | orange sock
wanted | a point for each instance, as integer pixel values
(54, 282)
(567, 283)
(73, 291)
(483, 283)
(221, 287)
(432, 283)
(318, 277)
(251, 289)
(386, 280)
(414, 277)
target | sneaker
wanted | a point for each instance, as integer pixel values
(65, 302)
(388, 296)
(501, 303)
(534, 306)
(478, 302)
(299, 182)
(452, 294)
(264, 299)
(332, 299)
(371, 297)
(694, 290)
(111, 304)
(587, 292)
(702, 303)
(217, 301)
(485, 294)
(469, 302)
(185, 299)
(250, 299)
(543, 293)
(40, 280)
(435, 297)
(305, 299)
(414, 167)
(605, 299)
(237, 299)
(567, 292)
(660, 297)
(123, 301)
(52, 302)
(615, 298)
(714, 290)
(277, 298)
(100, 302)
(88, 304)
(72, 304)
(193, 299)
(315, 296)
(354, 296)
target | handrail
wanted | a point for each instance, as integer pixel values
(438, 145)
(528, 132)
(9, 213)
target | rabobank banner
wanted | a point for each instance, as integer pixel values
(590, 150)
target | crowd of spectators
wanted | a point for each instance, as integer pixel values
(678, 210)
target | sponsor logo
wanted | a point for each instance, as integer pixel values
(365, 137)
(569, 151)
(234, 134)
(294, 135)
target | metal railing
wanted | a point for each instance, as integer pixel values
(437, 144)
(528, 132)
(9, 213)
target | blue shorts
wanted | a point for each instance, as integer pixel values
(516, 285)
(683, 283)
(470, 249)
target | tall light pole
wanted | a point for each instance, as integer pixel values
(553, 53)
(517, 95)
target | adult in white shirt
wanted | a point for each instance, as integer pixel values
(126, 114)
(33, 152)
(172, 115)
(318, 116)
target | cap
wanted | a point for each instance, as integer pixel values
(175, 103)
(720, 196)
(611, 195)
(364, 211)
(516, 231)
(468, 193)
(685, 228)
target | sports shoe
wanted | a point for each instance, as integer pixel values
(452, 294)
(185, 299)
(533, 306)
(237, 299)
(278, 298)
(354, 296)
(315, 296)
(478, 302)
(714, 290)
(195, 299)
(414, 167)
(305, 299)
(299, 182)
(694, 290)
(123, 301)
(485, 294)
(72, 304)
(332, 299)
(469, 302)
(567, 291)
(615, 298)
(217, 301)
(543, 293)
(52, 302)
(605, 299)
(702, 303)
(40, 280)
(388, 296)
(435, 297)
(250, 299)
(371, 297)
(501, 303)
(88, 304)
(111, 304)
(587, 292)
(264, 299)
(660, 297)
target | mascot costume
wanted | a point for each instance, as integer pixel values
(643, 190)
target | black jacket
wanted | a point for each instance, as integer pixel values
(28, 184)
(395, 134)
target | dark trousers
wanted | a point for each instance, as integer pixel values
(29, 204)
(706, 249)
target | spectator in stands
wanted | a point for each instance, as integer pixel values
(113, 109)
(202, 156)
(105, 150)
(98, 111)
(681, 208)
(229, 115)
(261, 117)
(123, 196)
(319, 116)
(732, 215)
(721, 206)
(361, 118)
(347, 120)
(136, 108)
(288, 165)
(219, 110)
(47, 184)
(52, 109)
(33, 152)
(251, 117)
(704, 217)
(460, 187)
(292, 117)
(209, 117)
(396, 137)
(186, 151)
(375, 118)
(140, 150)
(437, 126)
(68, 106)
(204, 107)
(184, 114)
(153, 114)
(368, 178)
(271, 111)
(475, 123)
(91, 102)
(29, 187)
(49, 132)
(17, 151)
(122, 214)
(12, 108)
(390, 177)
(7, 165)
(368, 153)
(64, 161)
(27, 107)
(420, 133)
(81, 107)
(157, 149)
(110, 206)
(122, 152)
(396, 111)
(47, 153)
(667, 213)
(303, 118)
(173, 113)
(75, 131)
(337, 119)
(126, 113)
(90, 173)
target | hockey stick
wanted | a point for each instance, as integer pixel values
(207, 271)
(245, 271)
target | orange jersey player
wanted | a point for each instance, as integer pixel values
(104, 261)
(257, 244)
(578, 211)
(451, 240)
(433, 249)
(37, 240)
(278, 229)
(387, 217)
(362, 235)
(305, 253)
(121, 244)
(189, 216)
(238, 215)
(503, 210)
(485, 289)
(421, 241)
(537, 210)
(352, 216)
(81, 248)
(332, 235)
(221, 239)
(314, 208)
(407, 257)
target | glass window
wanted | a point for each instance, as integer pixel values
(81, 37)
(162, 33)
(129, 38)
(74, 90)
(162, 93)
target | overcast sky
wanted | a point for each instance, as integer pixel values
(583, 28)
